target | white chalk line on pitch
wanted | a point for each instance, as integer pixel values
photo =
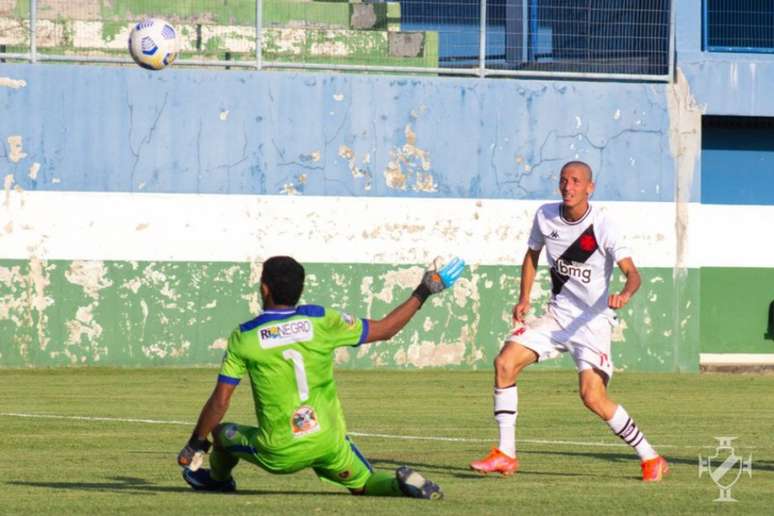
(355, 434)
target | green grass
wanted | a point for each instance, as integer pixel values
(72, 466)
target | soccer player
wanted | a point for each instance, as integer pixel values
(287, 352)
(582, 245)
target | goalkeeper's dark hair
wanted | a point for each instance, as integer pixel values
(285, 278)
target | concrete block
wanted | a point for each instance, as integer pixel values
(363, 16)
(406, 44)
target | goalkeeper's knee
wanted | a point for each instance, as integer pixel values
(222, 432)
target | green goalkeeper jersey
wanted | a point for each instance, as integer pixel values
(288, 355)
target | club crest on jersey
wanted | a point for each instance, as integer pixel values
(574, 269)
(587, 243)
(304, 422)
(299, 330)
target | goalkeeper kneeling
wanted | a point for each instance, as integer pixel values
(287, 352)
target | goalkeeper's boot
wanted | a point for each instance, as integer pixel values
(654, 469)
(414, 485)
(200, 480)
(496, 462)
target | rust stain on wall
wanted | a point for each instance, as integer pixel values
(410, 161)
(15, 149)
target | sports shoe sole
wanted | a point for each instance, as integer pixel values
(416, 486)
(226, 487)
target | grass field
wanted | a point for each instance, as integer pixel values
(571, 463)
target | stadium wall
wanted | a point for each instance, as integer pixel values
(736, 194)
(137, 207)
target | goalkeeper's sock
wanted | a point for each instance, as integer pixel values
(382, 483)
(221, 464)
(624, 427)
(506, 401)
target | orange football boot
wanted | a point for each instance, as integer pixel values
(654, 469)
(496, 462)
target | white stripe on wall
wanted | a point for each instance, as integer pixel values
(736, 358)
(736, 236)
(192, 227)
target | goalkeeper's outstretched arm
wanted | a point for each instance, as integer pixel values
(432, 282)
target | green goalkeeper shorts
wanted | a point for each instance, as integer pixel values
(342, 463)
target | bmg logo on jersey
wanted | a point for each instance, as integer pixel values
(286, 333)
(574, 270)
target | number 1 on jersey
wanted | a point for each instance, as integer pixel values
(298, 365)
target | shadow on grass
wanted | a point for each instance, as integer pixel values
(462, 470)
(132, 485)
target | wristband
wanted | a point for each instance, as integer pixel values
(199, 444)
(422, 292)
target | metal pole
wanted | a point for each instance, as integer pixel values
(280, 65)
(33, 31)
(672, 45)
(482, 42)
(258, 34)
(525, 31)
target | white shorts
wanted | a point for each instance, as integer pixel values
(588, 343)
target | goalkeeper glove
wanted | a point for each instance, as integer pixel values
(435, 280)
(192, 455)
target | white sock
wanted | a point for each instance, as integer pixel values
(506, 402)
(624, 427)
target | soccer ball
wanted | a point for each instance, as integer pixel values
(153, 44)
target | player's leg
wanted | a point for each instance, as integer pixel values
(525, 346)
(347, 467)
(404, 481)
(508, 364)
(223, 461)
(593, 392)
(231, 442)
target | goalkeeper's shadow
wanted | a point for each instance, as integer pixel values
(419, 466)
(133, 485)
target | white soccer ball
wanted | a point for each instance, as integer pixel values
(153, 44)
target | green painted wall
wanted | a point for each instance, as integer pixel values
(734, 309)
(180, 313)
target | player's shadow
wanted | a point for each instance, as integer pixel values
(691, 460)
(133, 485)
(419, 466)
(461, 471)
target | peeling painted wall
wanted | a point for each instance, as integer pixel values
(138, 207)
(150, 313)
(198, 131)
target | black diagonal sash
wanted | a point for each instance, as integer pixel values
(579, 251)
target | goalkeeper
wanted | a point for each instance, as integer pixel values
(287, 352)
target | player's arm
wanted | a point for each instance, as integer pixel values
(528, 273)
(214, 410)
(231, 370)
(633, 282)
(432, 283)
(212, 413)
(389, 326)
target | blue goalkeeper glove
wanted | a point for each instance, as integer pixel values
(435, 281)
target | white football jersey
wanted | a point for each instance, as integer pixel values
(581, 255)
